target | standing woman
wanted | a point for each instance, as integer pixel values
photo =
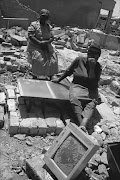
(41, 54)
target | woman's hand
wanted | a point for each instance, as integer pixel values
(92, 62)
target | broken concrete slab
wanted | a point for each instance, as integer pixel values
(105, 111)
(18, 40)
(36, 169)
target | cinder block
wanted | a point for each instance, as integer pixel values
(51, 123)
(60, 126)
(14, 123)
(2, 98)
(11, 105)
(33, 126)
(42, 126)
(36, 169)
(25, 125)
(11, 94)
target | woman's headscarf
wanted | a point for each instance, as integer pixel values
(45, 12)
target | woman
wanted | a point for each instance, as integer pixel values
(41, 54)
(84, 87)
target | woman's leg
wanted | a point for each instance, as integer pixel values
(88, 112)
(77, 109)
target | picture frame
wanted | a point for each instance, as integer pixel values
(76, 148)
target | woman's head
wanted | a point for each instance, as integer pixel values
(44, 16)
(94, 52)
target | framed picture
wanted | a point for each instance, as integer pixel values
(70, 152)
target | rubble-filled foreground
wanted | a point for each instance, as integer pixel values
(30, 126)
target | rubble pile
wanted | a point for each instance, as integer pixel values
(104, 125)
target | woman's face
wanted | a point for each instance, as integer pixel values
(93, 53)
(43, 19)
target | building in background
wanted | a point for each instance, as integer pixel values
(84, 14)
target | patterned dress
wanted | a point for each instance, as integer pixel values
(44, 62)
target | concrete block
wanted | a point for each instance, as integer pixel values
(11, 94)
(2, 63)
(42, 126)
(11, 105)
(2, 98)
(17, 54)
(105, 111)
(7, 58)
(1, 109)
(8, 52)
(5, 44)
(14, 123)
(51, 122)
(34, 126)
(60, 126)
(36, 169)
(25, 125)
(9, 65)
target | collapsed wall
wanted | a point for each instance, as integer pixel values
(14, 9)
